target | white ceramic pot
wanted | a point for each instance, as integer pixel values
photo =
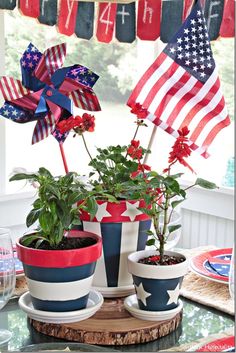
(157, 287)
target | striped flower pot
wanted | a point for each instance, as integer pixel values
(157, 287)
(123, 229)
(60, 280)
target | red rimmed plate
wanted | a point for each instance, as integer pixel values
(226, 344)
(213, 265)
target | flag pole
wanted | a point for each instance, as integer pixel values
(63, 157)
(154, 130)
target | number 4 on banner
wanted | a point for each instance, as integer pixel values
(105, 22)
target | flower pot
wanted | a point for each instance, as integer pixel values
(123, 229)
(157, 287)
(60, 280)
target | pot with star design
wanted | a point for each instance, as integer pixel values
(157, 286)
(123, 228)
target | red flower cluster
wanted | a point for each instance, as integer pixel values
(139, 111)
(78, 123)
(180, 149)
(134, 151)
(141, 169)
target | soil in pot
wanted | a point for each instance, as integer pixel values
(167, 260)
(67, 243)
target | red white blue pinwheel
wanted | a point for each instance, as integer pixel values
(47, 91)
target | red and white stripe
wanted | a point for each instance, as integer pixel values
(174, 98)
(55, 57)
(52, 60)
(12, 89)
(43, 128)
(85, 99)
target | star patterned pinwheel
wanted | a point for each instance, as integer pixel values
(47, 91)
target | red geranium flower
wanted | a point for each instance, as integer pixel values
(134, 151)
(139, 111)
(88, 122)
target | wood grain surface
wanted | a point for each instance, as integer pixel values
(111, 325)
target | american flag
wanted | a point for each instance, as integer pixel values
(182, 87)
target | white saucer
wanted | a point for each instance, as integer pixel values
(95, 301)
(115, 292)
(131, 305)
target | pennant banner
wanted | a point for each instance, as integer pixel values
(227, 28)
(149, 19)
(171, 18)
(48, 12)
(29, 8)
(155, 18)
(125, 23)
(84, 20)
(106, 22)
(213, 13)
(67, 17)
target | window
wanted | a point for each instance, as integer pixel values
(119, 66)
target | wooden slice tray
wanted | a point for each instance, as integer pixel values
(111, 325)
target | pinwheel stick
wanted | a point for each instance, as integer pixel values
(63, 157)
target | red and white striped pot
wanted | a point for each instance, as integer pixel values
(60, 280)
(123, 229)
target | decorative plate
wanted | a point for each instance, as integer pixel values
(18, 265)
(131, 305)
(213, 265)
(95, 301)
(226, 344)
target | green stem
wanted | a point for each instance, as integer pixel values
(91, 158)
(135, 134)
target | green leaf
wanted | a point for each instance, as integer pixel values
(37, 204)
(46, 221)
(205, 184)
(176, 203)
(149, 232)
(28, 239)
(173, 228)
(150, 242)
(182, 193)
(32, 217)
(53, 190)
(45, 172)
(22, 176)
(92, 207)
(176, 176)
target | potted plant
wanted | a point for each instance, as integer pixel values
(158, 274)
(118, 219)
(59, 262)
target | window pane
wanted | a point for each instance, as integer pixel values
(119, 67)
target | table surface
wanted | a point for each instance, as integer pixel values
(198, 321)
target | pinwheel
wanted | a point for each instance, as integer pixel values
(47, 91)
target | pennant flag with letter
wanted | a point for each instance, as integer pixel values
(182, 87)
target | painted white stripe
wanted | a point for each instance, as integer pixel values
(60, 291)
(129, 243)
(210, 125)
(177, 97)
(205, 110)
(158, 272)
(165, 88)
(195, 100)
(153, 79)
(100, 278)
